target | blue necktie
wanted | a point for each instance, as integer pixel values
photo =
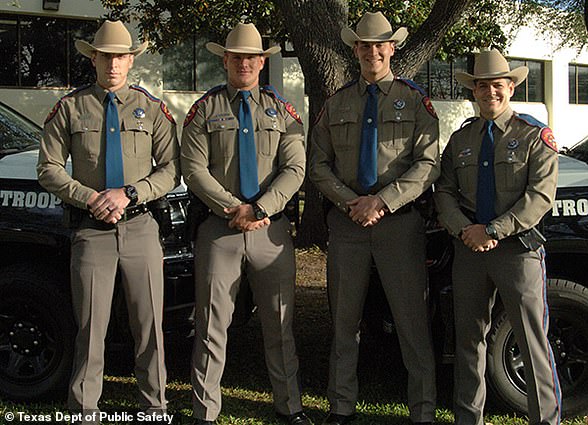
(486, 191)
(247, 153)
(367, 173)
(114, 160)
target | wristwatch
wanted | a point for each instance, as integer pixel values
(491, 231)
(258, 212)
(131, 193)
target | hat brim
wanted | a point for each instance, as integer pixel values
(349, 37)
(517, 75)
(219, 50)
(88, 50)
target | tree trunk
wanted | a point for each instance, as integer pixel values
(327, 63)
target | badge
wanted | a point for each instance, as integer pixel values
(464, 153)
(271, 112)
(139, 113)
(513, 144)
(399, 104)
(548, 138)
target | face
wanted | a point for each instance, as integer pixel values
(112, 69)
(374, 59)
(243, 69)
(493, 96)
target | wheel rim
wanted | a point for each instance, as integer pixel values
(29, 350)
(568, 337)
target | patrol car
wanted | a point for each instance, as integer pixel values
(37, 329)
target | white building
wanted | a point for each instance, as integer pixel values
(40, 65)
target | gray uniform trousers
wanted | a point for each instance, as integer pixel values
(519, 277)
(397, 245)
(267, 256)
(134, 248)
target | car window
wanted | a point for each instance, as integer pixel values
(579, 151)
(17, 133)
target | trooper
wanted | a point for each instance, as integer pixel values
(124, 153)
(374, 151)
(243, 156)
(498, 179)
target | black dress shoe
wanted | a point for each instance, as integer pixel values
(335, 419)
(298, 418)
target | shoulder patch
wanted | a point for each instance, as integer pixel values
(412, 85)
(429, 107)
(57, 106)
(289, 107)
(152, 98)
(548, 138)
(192, 112)
(546, 135)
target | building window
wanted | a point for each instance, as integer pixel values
(190, 67)
(39, 52)
(437, 78)
(532, 89)
(578, 75)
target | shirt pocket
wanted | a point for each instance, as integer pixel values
(511, 168)
(136, 137)
(466, 169)
(85, 139)
(397, 128)
(269, 132)
(345, 127)
(223, 134)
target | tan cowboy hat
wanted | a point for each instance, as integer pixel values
(491, 64)
(111, 37)
(373, 27)
(244, 38)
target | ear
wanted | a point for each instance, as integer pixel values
(131, 61)
(93, 59)
(355, 50)
(225, 60)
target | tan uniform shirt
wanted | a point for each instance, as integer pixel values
(75, 128)
(525, 170)
(408, 149)
(210, 149)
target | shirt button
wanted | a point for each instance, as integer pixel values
(341, 120)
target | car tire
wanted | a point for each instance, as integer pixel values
(37, 333)
(568, 336)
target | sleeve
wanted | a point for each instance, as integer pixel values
(291, 168)
(194, 161)
(165, 175)
(446, 195)
(539, 194)
(322, 158)
(53, 154)
(425, 161)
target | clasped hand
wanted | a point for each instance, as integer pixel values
(366, 210)
(474, 236)
(243, 218)
(108, 205)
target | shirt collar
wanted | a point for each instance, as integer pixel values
(234, 93)
(121, 94)
(384, 84)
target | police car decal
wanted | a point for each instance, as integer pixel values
(29, 199)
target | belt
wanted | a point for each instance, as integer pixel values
(130, 212)
(276, 216)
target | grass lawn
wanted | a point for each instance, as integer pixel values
(246, 389)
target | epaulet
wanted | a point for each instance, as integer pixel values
(546, 135)
(412, 85)
(347, 85)
(58, 104)
(426, 99)
(289, 107)
(192, 112)
(468, 122)
(152, 98)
